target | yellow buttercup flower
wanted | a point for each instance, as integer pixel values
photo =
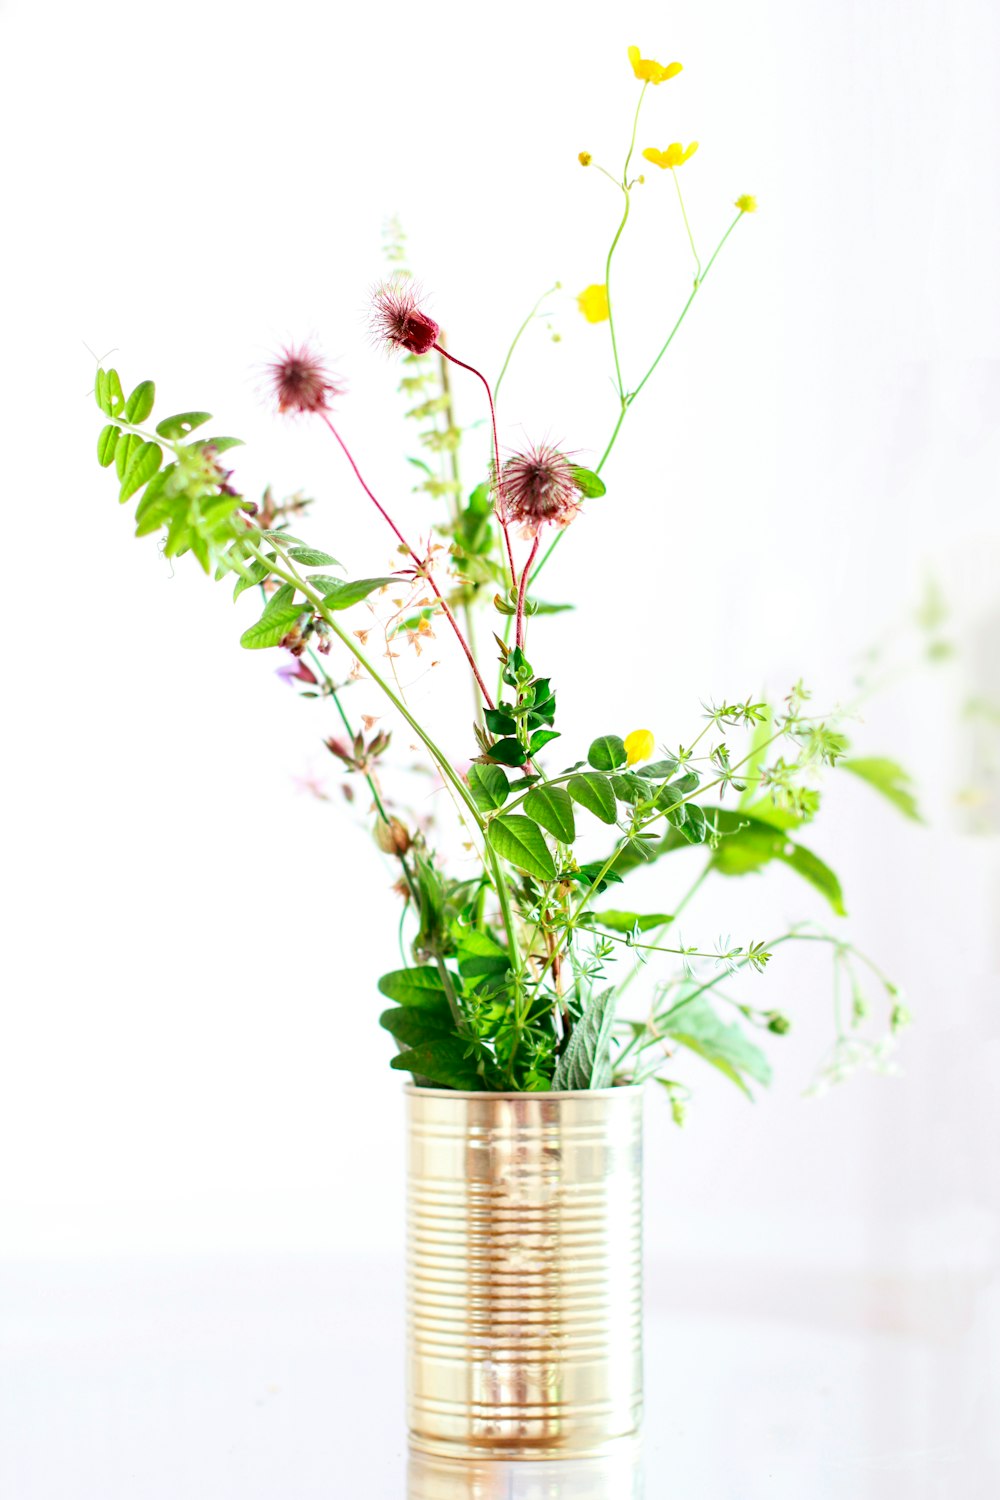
(584, 158)
(674, 156)
(593, 303)
(648, 71)
(746, 203)
(639, 745)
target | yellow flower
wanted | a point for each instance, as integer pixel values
(639, 745)
(593, 303)
(746, 203)
(649, 71)
(584, 158)
(674, 156)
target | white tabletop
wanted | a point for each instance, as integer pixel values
(280, 1378)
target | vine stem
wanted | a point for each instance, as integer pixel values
(290, 574)
(517, 338)
(496, 456)
(423, 569)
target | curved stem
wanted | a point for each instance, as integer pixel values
(624, 185)
(496, 455)
(519, 632)
(687, 226)
(422, 568)
(517, 338)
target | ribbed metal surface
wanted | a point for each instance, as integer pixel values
(614, 1477)
(525, 1272)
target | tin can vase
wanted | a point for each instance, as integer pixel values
(524, 1272)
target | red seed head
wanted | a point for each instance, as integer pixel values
(300, 381)
(538, 486)
(396, 319)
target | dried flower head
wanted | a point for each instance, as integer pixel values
(539, 486)
(397, 321)
(300, 381)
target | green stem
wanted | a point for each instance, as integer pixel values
(517, 338)
(624, 185)
(687, 226)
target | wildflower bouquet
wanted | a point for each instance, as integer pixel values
(518, 958)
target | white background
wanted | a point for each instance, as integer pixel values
(190, 1058)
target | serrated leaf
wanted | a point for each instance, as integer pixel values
(521, 842)
(442, 1062)
(489, 787)
(182, 424)
(586, 1061)
(552, 806)
(607, 753)
(887, 777)
(142, 465)
(632, 921)
(589, 484)
(346, 594)
(140, 403)
(312, 557)
(107, 442)
(594, 792)
(272, 627)
(421, 987)
(695, 1025)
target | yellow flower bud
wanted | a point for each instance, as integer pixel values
(639, 745)
(746, 203)
(593, 303)
(584, 158)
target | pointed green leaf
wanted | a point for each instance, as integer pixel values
(258, 571)
(552, 806)
(887, 777)
(521, 842)
(607, 753)
(509, 752)
(346, 594)
(272, 627)
(696, 1026)
(323, 583)
(594, 792)
(128, 443)
(589, 484)
(540, 738)
(442, 1062)
(221, 444)
(412, 1026)
(182, 424)
(630, 921)
(421, 987)
(311, 557)
(489, 787)
(142, 465)
(107, 442)
(586, 1062)
(140, 403)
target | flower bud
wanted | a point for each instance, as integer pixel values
(392, 837)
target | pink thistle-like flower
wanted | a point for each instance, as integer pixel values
(397, 321)
(300, 381)
(539, 486)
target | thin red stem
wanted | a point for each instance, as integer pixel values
(423, 568)
(522, 590)
(496, 455)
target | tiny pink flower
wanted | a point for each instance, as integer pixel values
(538, 486)
(300, 381)
(397, 321)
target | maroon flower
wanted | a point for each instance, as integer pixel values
(301, 382)
(538, 486)
(397, 321)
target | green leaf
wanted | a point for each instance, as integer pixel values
(763, 736)
(140, 403)
(521, 842)
(127, 445)
(323, 583)
(280, 599)
(552, 806)
(589, 484)
(181, 425)
(258, 572)
(142, 465)
(630, 921)
(311, 557)
(346, 594)
(509, 752)
(479, 955)
(607, 753)
(695, 1025)
(694, 827)
(499, 721)
(411, 1027)
(489, 787)
(420, 987)
(887, 777)
(809, 865)
(109, 394)
(539, 607)
(107, 442)
(221, 444)
(657, 770)
(586, 1062)
(594, 792)
(542, 737)
(442, 1062)
(272, 627)
(749, 844)
(590, 874)
(630, 788)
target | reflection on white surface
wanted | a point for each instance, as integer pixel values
(617, 1477)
